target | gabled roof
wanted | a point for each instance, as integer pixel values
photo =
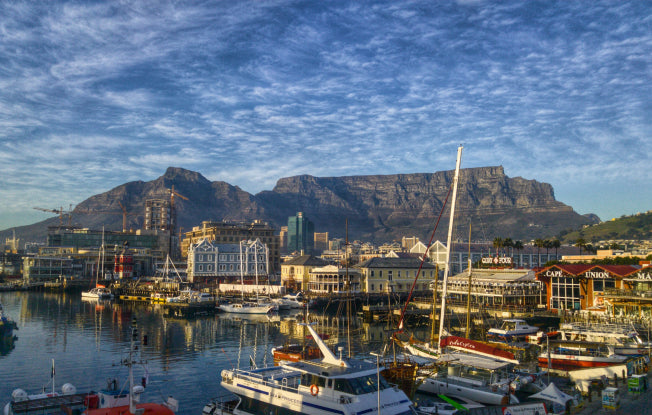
(306, 260)
(394, 263)
(579, 269)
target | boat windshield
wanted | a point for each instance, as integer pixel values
(509, 325)
(354, 386)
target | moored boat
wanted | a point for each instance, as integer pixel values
(511, 330)
(570, 355)
(100, 292)
(329, 385)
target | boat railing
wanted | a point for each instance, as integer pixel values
(609, 329)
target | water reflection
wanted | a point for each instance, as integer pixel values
(185, 356)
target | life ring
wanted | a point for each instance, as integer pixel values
(314, 389)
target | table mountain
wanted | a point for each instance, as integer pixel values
(378, 208)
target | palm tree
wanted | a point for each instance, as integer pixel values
(539, 244)
(547, 244)
(580, 243)
(498, 243)
(556, 244)
(518, 245)
(508, 243)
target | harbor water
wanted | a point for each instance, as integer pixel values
(88, 340)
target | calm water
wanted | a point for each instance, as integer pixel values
(184, 355)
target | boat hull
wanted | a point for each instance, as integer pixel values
(436, 386)
(562, 362)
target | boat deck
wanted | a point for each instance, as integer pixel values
(50, 404)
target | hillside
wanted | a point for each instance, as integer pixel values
(635, 227)
(379, 208)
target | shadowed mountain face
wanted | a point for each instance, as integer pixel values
(378, 208)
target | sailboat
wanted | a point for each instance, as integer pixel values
(243, 306)
(99, 292)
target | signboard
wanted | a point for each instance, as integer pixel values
(554, 273)
(504, 260)
(597, 275)
(538, 408)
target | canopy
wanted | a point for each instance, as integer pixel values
(552, 393)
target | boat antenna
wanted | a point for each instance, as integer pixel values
(448, 247)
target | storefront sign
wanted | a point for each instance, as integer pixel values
(644, 276)
(597, 275)
(497, 260)
(554, 273)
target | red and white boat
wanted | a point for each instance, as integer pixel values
(568, 355)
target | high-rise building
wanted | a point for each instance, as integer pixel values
(159, 215)
(300, 234)
(284, 238)
(321, 242)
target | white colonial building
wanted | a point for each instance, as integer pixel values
(227, 263)
(332, 279)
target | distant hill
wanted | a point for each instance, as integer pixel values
(379, 208)
(635, 227)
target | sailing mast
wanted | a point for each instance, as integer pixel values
(448, 248)
(468, 298)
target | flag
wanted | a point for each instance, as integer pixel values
(52, 373)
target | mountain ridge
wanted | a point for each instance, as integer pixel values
(379, 208)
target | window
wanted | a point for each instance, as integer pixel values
(201, 257)
(565, 293)
(372, 287)
(209, 268)
(371, 273)
(399, 273)
(389, 275)
(380, 274)
(201, 267)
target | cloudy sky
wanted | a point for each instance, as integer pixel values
(96, 94)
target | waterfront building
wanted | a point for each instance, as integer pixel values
(408, 243)
(300, 234)
(508, 290)
(582, 286)
(295, 272)
(334, 279)
(38, 269)
(234, 232)
(394, 275)
(226, 263)
(634, 299)
(601, 254)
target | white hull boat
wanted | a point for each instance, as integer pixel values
(246, 308)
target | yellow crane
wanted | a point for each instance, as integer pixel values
(59, 212)
(123, 212)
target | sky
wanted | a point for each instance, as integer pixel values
(94, 94)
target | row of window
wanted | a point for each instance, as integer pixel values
(231, 267)
(399, 274)
(228, 257)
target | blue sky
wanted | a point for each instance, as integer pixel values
(96, 94)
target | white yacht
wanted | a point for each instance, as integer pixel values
(315, 387)
(483, 380)
(512, 329)
(99, 293)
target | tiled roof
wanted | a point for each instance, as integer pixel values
(306, 260)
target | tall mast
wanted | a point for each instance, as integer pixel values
(448, 248)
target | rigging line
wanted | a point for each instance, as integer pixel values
(423, 259)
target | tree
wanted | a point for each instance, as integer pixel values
(556, 244)
(508, 243)
(498, 243)
(539, 244)
(580, 243)
(518, 245)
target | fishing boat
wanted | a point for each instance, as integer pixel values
(512, 329)
(330, 385)
(571, 355)
(477, 378)
(112, 400)
(624, 338)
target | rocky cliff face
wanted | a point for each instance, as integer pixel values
(378, 208)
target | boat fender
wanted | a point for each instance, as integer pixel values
(314, 389)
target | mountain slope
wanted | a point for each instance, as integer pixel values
(378, 207)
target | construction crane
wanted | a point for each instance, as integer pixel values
(59, 212)
(123, 212)
(174, 193)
